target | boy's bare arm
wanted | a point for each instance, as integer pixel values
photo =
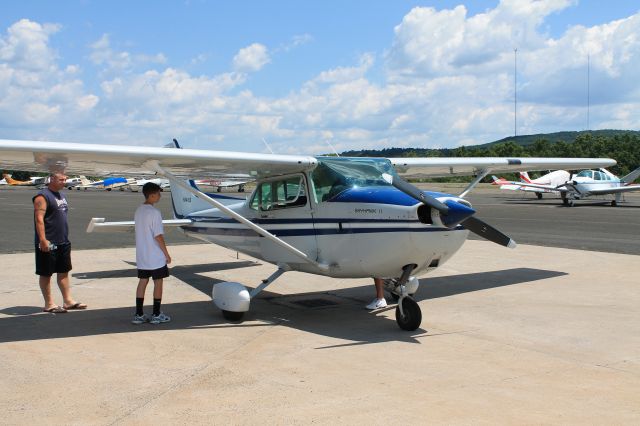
(163, 247)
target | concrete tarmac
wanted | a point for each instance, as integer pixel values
(535, 335)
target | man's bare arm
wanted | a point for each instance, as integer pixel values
(39, 210)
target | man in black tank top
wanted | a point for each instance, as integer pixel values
(53, 249)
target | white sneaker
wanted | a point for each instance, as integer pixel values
(162, 317)
(377, 304)
(140, 319)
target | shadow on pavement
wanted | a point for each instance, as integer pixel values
(345, 319)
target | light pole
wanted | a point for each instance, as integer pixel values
(588, 87)
(515, 92)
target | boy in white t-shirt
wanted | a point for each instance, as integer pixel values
(152, 255)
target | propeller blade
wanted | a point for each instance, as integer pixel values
(414, 192)
(488, 232)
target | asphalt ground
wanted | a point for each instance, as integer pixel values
(590, 225)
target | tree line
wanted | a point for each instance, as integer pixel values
(624, 148)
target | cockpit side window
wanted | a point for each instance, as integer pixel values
(327, 182)
(279, 194)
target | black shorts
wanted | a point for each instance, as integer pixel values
(155, 274)
(56, 261)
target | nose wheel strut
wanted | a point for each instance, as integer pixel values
(408, 313)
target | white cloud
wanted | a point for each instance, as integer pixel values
(102, 54)
(36, 95)
(251, 58)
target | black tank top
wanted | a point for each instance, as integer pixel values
(56, 228)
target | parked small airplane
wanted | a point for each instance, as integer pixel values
(33, 181)
(107, 184)
(588, 183)
(554, 178)
(334, 216)
(224, 183)
(139, 183)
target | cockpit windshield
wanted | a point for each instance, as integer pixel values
(334, 174)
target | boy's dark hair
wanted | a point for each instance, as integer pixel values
(150, 188)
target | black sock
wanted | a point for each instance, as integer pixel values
(156, 306)
(139, 304)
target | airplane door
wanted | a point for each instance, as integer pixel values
(284, 210)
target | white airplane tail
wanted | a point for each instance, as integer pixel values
(631, 176)
(185, 202)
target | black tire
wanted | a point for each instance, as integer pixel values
(539, 195)
(232, 316)
(565, 201)
(412, 315)
(614, 203)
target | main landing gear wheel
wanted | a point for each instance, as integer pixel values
(539, 195)
(232, 316)
(412, 315)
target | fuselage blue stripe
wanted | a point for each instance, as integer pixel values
(309, 232)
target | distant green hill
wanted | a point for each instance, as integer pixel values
(621, 145)
(526, 140)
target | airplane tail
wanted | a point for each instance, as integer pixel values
(524, 176)
(10, 180)
(627, 179)
(498, 181)
(185, 202)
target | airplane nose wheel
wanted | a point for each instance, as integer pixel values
(410, 317)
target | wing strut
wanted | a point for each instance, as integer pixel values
(473, 184)
(178, 182)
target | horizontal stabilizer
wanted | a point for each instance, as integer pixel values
(98, 224)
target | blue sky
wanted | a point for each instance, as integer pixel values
(360, 74)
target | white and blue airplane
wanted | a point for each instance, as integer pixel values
(332, 216)
(589, 183)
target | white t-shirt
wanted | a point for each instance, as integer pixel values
(148, 220)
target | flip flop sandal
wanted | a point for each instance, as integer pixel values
(76, 305)
(55, 310)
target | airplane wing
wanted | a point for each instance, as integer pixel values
(461, 166)
(115, 160)
(605, 191)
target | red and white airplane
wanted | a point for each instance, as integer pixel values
(552, 179)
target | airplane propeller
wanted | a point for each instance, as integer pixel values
(452, 213)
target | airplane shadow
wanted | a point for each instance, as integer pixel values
(344, 318)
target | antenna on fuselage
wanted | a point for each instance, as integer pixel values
(334, 150)
(268, 147)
